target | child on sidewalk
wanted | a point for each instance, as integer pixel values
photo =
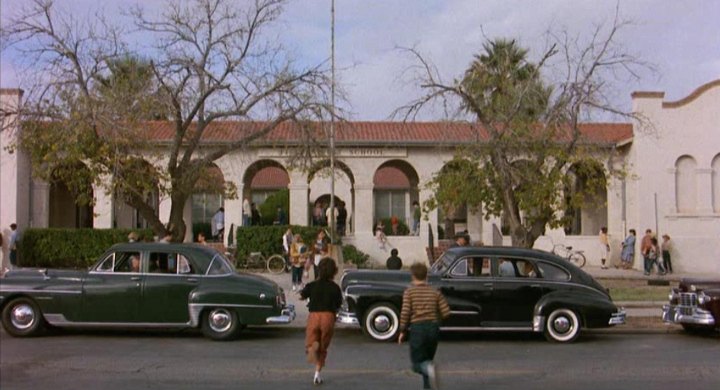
(422, 309)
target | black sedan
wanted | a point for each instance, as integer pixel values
(488, 289)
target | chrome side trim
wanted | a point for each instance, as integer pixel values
(11, 290)
(486, 329)
(60, 320)
(464, 313)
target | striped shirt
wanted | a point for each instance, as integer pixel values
(422, 303)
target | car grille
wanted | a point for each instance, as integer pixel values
(687, 303)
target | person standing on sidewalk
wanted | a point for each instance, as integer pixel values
(666, 248)
(325, 300)
(627, 256)
(604, 246)
(13, 245)
(298, 258)
(645, 246)
(422, 310)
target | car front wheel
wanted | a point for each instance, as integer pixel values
(220, 324)
(22, 317)
(381, 322)
(562, 326)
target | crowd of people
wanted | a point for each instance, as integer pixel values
(654, 254)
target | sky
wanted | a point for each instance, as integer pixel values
(680, 39)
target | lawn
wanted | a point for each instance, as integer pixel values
(636, 290)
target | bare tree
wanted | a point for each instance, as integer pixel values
(209, 61)
(530, 116)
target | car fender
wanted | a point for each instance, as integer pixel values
(589, 306)
(361, 296)
(252, 306)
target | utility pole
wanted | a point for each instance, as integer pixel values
(332, 122)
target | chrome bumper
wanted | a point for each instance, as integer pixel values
(691, 315)
(347, 318)
(287, 315)
(618, 318)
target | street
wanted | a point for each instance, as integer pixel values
(273, 358)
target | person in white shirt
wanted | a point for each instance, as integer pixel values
(246, 212)
(218, 224)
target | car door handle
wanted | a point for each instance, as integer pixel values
(487, 284)
(136, 278)
(191, 280)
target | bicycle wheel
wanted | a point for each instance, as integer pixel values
(578, 259)
(276, 264)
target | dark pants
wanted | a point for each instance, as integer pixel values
(423, 345)
(666, 261)
(649, 265)
(297, 275)
(13, 257)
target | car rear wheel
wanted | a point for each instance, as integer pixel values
(220, 324)
(22, 317)
(381, 322)
(562, 326)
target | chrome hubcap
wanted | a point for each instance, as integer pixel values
(22, 316)
(382, 323)
(220, 320)
(562, 324)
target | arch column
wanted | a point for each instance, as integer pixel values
(40, 217)
(364, 207)
(432, 220)
(299, 212)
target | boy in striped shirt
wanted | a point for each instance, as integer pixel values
(423, 308)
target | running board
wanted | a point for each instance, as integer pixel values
(486, 329)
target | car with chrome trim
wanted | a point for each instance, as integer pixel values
(695, 305)
(488, 289)
(144, 285)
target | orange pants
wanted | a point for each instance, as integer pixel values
(320, 328)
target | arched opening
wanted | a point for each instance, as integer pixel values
(395, 188)
(452, 211)
(716, 183)
(685, 184)
(266, 186)
(319, 183)
(208, 197)
(585, 198)
(141, 181)
(71, 198)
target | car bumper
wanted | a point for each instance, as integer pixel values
(287, 315)
(347, 318)
(618, 318)
(687, 315)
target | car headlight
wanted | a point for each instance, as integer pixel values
(673, 295)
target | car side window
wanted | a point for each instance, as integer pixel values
(506, 268)
(169, 263)
(184, 266)
(219, 266)
(552, 272)
(127, 262)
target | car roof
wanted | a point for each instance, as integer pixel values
(502, 251)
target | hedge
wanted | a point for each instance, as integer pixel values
(70, 248)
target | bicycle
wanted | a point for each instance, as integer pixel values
(275, 264)
(574, 256)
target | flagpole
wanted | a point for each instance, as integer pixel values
(332, 122)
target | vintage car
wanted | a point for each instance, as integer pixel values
(144, 285)
(488, 289)
(694, 304)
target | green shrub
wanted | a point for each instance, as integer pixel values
(268, 209)
(353, 255)
(70, 248)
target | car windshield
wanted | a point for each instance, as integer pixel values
(443, 263)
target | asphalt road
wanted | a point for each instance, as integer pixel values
(265, 358)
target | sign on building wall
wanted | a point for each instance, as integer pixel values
(343, 153)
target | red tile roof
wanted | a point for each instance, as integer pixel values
(390, 178)
(270, 178)
(359, 133)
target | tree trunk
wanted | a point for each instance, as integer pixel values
(176, 225)
(449, 228)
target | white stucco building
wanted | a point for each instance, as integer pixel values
(382, 166)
